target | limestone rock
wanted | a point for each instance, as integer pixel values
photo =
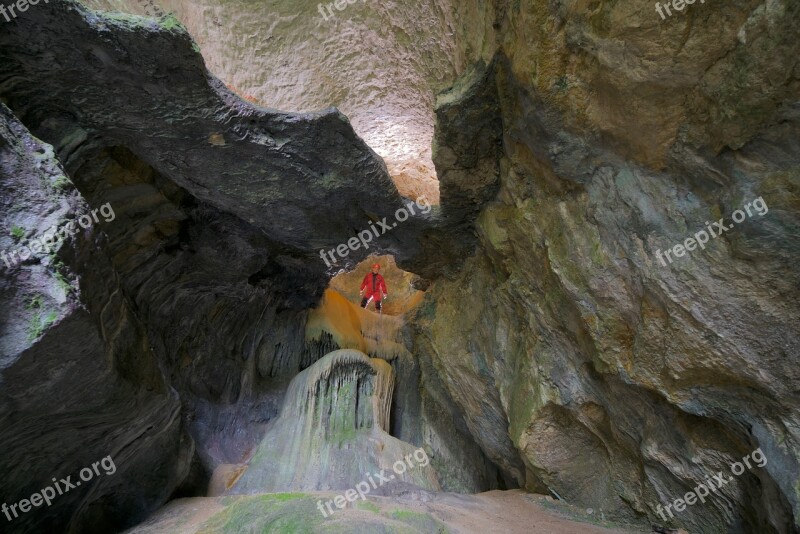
(332, 432)
(77, 385)
(297, 177)
(623, 382)
(584, 136)
(423, 413)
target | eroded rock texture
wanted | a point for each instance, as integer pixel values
(333, 431)
(585, 136)
(199, 282)
(199, 287)
(423, 413)
(379, 62)
(621, 383)
(78, 383)
(242, 160)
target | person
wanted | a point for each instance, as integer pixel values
(375, 287)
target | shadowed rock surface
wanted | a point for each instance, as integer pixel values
(381, 66)
(76, 384)
(212, 274)
(297, 177)
(553, 351)
(622, 383)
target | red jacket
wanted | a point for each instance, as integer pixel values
(375, 287)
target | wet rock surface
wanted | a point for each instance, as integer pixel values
(78, 384)
(419, 511)
(333, 430)
(554, 345)
(422, 411)
(623, 380)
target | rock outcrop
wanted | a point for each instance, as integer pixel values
(204, 276)
(621, 380)
(423, 413)
(199, 283)
(77, 384)
(556, 344)
(333, 432)
(301, 60)
(106, 80)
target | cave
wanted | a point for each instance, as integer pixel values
(426, 267)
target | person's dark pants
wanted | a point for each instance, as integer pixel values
(365, 300)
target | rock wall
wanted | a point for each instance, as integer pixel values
(201, 279)
(621, 380)
(77, 384)
(587, 137)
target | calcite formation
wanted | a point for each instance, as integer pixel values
(332, 431)
(553, 351)
(421, 412)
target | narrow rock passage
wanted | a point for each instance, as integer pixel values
(591, 322)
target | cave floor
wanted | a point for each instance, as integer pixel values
(495, 511)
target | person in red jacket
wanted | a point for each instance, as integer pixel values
(373, 288)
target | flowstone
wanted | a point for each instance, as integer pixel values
(332, 433)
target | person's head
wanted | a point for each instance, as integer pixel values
(376, 268)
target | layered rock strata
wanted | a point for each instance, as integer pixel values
(191, 308)
(600, 135)
(77, 383)
(621, 381)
